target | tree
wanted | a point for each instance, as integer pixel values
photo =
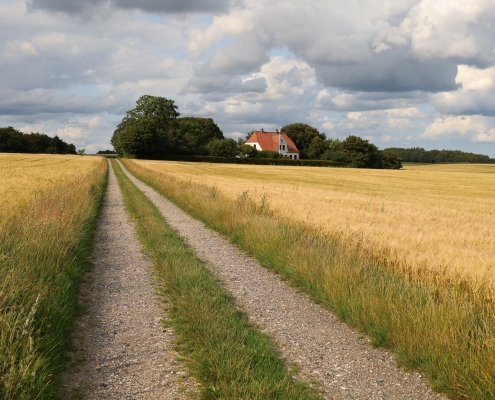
(246, 150)
(223, 148)
(334, 151)
(361, 153)
(317, 147)
(146, 130)
(37, 142)
(11, 140)
(193, 134)
(14, 141)
(302, 135)
(391, 161)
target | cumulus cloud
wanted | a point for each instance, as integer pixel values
(457, 29)
(476, 93)
(398, 119)
(379, 46)
(78, 128)
(473, 128)
(350, 68)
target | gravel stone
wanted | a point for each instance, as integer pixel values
(121, 350)
(330, 356)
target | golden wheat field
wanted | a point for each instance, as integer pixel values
(422, 218)
(23, 175)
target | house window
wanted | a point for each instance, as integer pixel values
(283, 147)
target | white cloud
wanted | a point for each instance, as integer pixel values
(473, 128)
(472, 78)
(476, 94)
(35, 128)
(460, 29)
(397, 119)
(285, 78)
(349, 68)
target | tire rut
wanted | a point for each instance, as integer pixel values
(121, 350)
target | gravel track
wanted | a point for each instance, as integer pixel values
(330, 355)
(121, 349)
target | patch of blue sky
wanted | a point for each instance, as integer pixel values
(153, 18)
(82, 90)
(426, 108)
(281, 51)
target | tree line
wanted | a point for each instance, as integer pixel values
(154, 128)
(420, 155)
(352, 151)
(14, 141)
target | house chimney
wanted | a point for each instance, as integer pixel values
(262, 131)
(276, 130)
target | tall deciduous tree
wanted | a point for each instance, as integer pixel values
(147, 129)
(361, 153)
(193, 134)
(302, 135)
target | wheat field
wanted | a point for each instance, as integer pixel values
(23, 175)
(424, 218)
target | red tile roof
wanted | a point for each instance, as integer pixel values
(269, 141)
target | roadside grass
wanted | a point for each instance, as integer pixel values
(44, 250)
(230, 357)
(434, 326)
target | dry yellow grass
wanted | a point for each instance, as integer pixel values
(22, 175)
(422, 218)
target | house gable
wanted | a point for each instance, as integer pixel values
(273, 141)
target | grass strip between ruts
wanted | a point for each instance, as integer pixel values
(228, 355)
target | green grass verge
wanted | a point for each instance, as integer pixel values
(43, 253)
(228, 355)
(437, 328)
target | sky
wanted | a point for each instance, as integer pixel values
(400, 73)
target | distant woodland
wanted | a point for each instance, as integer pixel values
(420, 155)
(14, 141)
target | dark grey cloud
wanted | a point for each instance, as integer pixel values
(391, 71)
(150, 6)
(368, 101)
(42, 101)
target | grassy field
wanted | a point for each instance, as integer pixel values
(392, 271)
(229, 356)
(423, 219)
(50, 205)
